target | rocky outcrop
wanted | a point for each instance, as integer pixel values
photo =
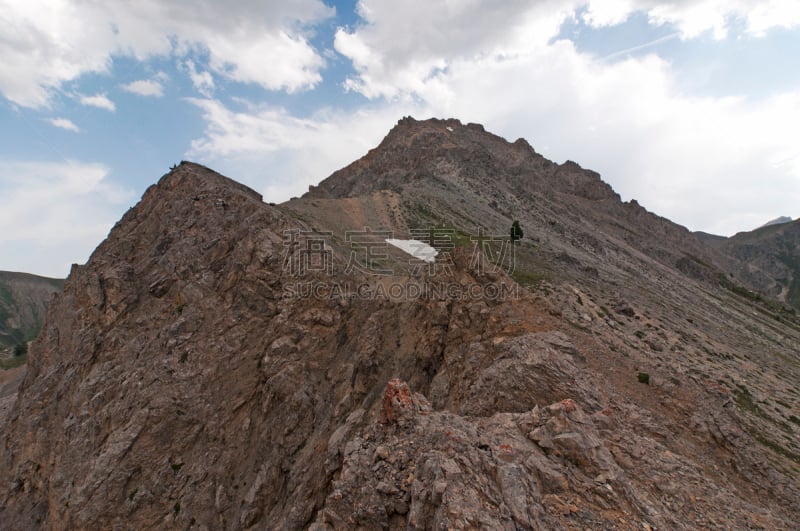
(510, 470)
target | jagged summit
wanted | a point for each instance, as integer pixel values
(192, 176)
(440, 150)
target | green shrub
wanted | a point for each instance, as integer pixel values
(644, 378)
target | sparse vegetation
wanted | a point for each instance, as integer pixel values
(516, 231)
(745, 400)
(528, 278)
(20, 349)
(726, 283)
(777, 448)
(11, 363)
(643, 377)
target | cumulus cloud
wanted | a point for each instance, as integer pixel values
(65, 123)
(100, 101)
(145, 87)
(49, 42)
(402, 47)
(54, 209)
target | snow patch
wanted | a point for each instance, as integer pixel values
(449, 128)
(415, 248)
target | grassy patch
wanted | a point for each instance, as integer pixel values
(728, 284)
(745, 401)
(777, 448)
(11, 363)
(528, 278)
(5, 295)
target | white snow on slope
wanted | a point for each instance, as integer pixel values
(415, 248)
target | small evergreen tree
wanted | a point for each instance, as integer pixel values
(20, 350)
(516, 231)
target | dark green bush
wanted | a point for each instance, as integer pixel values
(20, 350)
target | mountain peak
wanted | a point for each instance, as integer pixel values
(446, 152)
(777, 221)
(193, 177)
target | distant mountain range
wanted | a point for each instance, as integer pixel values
(23, 302)
(766, 260)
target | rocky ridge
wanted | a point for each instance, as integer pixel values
(182, 379)
(768, 259)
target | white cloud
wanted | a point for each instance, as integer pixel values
(145, 87)
(54, 210)
(403, 46)
(100, 101)
(203, 82)
(607, 12)
(65, 123)
(393, 60)
(49, 42)
(693, 17)
(44, 44)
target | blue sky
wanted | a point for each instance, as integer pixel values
(690, 107)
